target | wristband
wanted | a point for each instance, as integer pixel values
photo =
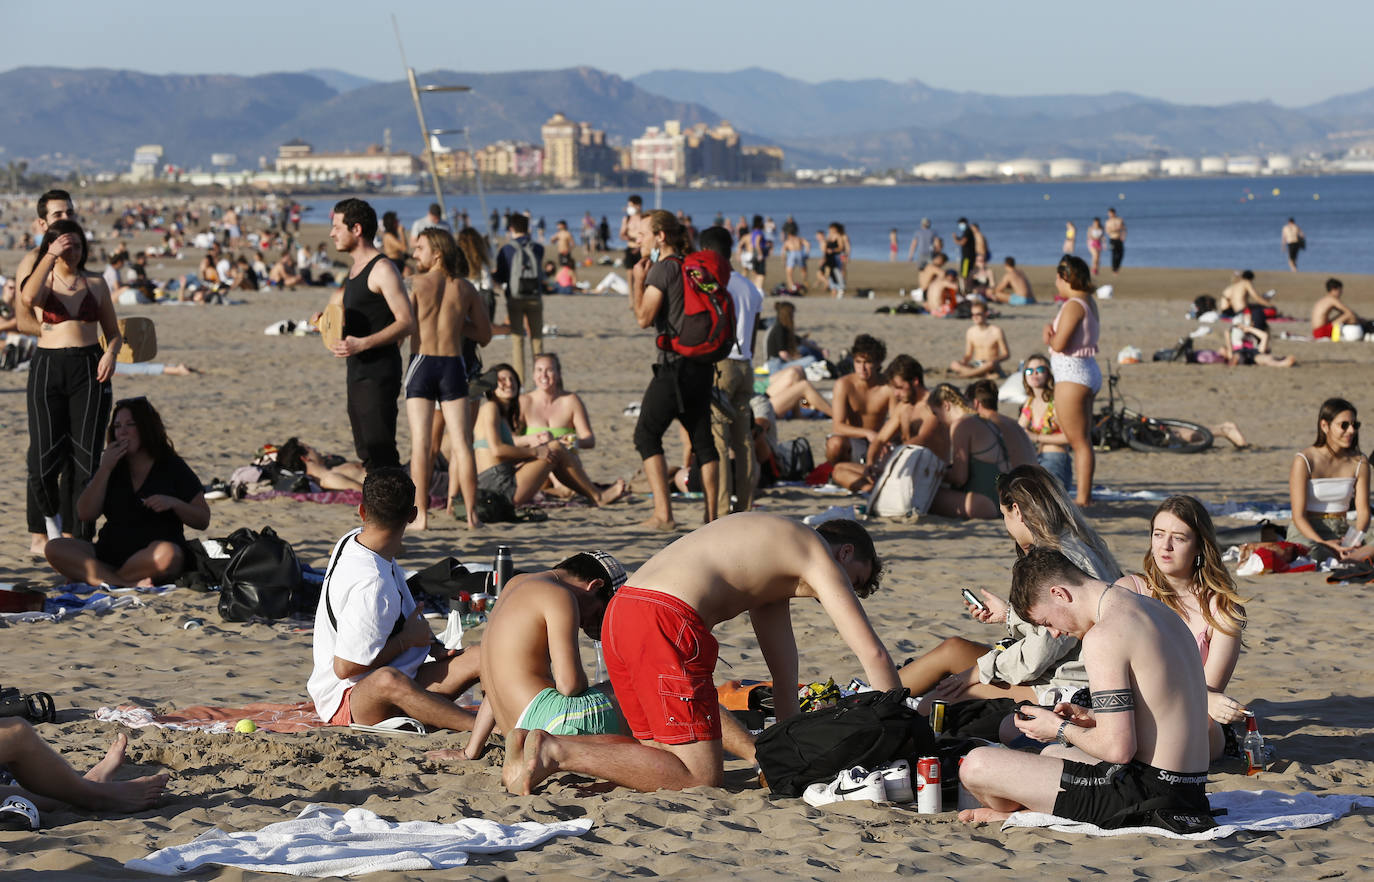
(1059, 736)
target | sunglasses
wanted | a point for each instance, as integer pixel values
(1037, 370)
(1346, 424)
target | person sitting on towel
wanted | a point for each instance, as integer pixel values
(371, 639)
(532, 671)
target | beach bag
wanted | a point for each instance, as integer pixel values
(908, 482)
(263, 580)
(707, 332)
(868, 729)
(525, 271)
(795, 460)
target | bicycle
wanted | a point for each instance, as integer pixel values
(1118, 426)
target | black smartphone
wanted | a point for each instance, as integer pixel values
(973, 600)
(1025, 716)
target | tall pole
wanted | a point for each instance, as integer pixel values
(420, 115)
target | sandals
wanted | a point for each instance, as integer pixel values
(36, 708)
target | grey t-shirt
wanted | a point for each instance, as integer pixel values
(666, 276)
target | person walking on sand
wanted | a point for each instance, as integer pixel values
(1142, 750)
(1072, 339)
(1293, 241)
(661, 655)
(447, 312)
(1116, 238)
(377, 317)
(681, 388)
(1070, 237)
(1095, 236)
(922, 244)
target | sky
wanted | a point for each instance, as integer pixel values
(1208, 52)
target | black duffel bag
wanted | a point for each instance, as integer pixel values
(868, 729)
(263, 580)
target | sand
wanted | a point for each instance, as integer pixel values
(1304, 669)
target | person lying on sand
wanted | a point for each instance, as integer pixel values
(371, 638)
(532, 675)
(661, 656)
(50, 783)
(1144, 744)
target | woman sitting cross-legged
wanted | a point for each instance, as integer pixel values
(147, 495)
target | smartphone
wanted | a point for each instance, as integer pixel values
(973, 600)
(1025, 716)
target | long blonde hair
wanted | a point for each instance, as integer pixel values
(1211, 582)
(1048, 513)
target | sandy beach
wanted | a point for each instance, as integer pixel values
(1304, 669)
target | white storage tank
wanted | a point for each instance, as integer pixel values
(1213, 165)
(1244, 165)
(1023, 168)
(981, 168)
(1280, 163)
(1179, 165)
(938, 170)
(1139, 167)
(1069, 168)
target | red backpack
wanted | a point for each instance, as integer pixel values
(708, 311)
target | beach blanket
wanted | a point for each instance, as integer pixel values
(218, 720)
(328, 842)
(78, 598)
(1263, 811)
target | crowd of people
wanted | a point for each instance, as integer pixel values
(1126, 672)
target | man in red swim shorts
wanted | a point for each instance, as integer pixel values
(661, 656)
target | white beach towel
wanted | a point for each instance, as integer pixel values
(324, 841)
(1257, 810)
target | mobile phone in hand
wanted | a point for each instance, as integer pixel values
(973, 600)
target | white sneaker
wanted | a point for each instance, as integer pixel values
(897, 781)
(851, 785)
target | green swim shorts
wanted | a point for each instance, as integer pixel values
(591, 713)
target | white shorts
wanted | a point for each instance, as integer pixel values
(1070, 369)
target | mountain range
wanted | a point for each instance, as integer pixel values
(53, 116)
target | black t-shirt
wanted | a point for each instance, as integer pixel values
(365, 313)
(129, 524)
(969, 246)
(666, 276)
(776, 341)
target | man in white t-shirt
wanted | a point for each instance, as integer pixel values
(371, 640)
(735, 386)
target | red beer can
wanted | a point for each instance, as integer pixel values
(929, 799)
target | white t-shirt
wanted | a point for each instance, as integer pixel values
(748, 302)
(368, 594)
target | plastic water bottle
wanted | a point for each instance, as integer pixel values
(600, 675)
(1253, 746)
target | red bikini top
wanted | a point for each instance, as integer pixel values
(55, 311)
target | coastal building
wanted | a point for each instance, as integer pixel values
(1067, 167)
(760, 163)
(980, 168)
(147, 161)
(1022, 168)
(298, 156)
(661, 153)
(1213, 165)
(676, 155)
(938, 170)
(1244, 165)
(1138, 167)
(1179, 166)
(1279, 163)
(574, 150)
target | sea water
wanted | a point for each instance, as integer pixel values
(1221, 223)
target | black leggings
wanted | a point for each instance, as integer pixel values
(680, 390)
(68, 413)
(1118, 252)
(372, 412)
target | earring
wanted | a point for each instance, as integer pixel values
(1197, 562)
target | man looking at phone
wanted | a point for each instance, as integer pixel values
(1140, 755)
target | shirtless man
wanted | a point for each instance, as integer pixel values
(1330, 309)
(1116, 238)
(1241, 293)
(532, 675)
(1146, 735)
(51, 784)
(985, 348)
(1014, 288)
(1293, 240)
(552, 413)
(661, 656)
(932, 272)
(447, 310)
(562, 242)
(632, 229)
(910, 421)
(860, 403)
(1020, 449)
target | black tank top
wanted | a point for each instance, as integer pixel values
(365, 313)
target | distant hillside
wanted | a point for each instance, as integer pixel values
(338, 80)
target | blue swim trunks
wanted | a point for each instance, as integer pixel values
(437, 378)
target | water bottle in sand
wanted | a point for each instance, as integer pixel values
(1253, 747)
(600, 675)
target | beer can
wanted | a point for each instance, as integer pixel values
(929, 798)
(937, 716)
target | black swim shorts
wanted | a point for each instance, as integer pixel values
(1111, 795)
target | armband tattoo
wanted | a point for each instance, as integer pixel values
(1113, 701)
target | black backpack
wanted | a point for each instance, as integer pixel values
(526, 275)
(263, 580)
(868, 729)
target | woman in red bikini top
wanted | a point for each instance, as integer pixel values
(69, 379)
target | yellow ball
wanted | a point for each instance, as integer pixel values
(246, 726)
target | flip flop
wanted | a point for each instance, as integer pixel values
(393, 726)
(17, 813)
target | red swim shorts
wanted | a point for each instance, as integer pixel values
(661, 658)
(344, 715)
